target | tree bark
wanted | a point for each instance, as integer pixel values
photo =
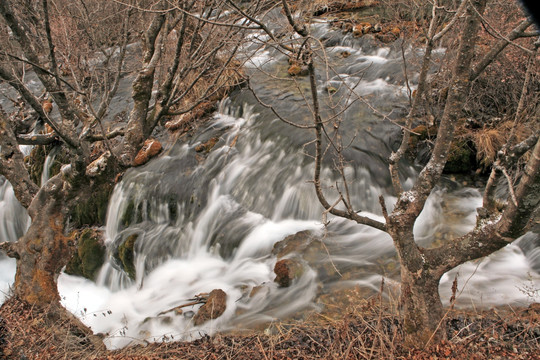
(420, 300)
(44, 249)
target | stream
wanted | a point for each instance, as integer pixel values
(208, 220)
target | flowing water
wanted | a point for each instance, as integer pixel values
(209, 220)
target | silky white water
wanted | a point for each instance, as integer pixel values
(210, 221)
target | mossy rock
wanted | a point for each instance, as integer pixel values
(460, 159)
(90, 255)
(92, 210)
(126, 255)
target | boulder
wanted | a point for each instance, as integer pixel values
(213, 308)
(150, 149)
(287, 270)
(90, 255)
(295, 243)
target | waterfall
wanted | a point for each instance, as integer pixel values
(207, 212)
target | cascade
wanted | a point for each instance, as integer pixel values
(208, 211)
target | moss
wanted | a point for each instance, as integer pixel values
(89, 256)
(126, 255)
(35, 162)
(128, 214)
(460, 159)
(92, 210)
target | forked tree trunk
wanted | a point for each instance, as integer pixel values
(420, 275)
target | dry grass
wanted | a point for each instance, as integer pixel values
(369, 330)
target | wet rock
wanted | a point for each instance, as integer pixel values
(47, 106)
(395, 31)
(287, 270)
(125, 255)
(347, 28)
(207, 146)
(259, 289)
(91, 208)
(150, 149)
(215, 307)
(386, 38)
(89, 256)
(297, 70)
(357, 31)
(185, 121)
(295, 243)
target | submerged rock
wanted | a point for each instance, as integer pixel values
(215, 307)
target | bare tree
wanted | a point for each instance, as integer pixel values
(422, 268)
(188, 49)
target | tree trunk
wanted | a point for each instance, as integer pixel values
(421, 306)
(44, 250)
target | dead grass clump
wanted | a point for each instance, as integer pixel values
(487, 142)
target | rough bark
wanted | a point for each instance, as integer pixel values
(12, 164)
(44, 249)
(422, 309)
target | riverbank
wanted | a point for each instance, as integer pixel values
(367, 330)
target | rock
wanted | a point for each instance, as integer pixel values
(395, 31)
(215, 307)
(460, 158)
(259, 289)
(377, 28)
(150, 149)
(97, 166)
(331, 90)
(185, 121)
(207, 146)
(386, 38)
(295, 243)
(287, 270)
(305, 247)
(347, 28)
(297, 70)
(357, 31)
(89, 256)
(126, 255)
(362, 28)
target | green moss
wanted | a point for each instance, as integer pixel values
(460, 159)
(128, 214)
(89, 257)
(92, 210)
(35, 162)
(126, 255)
